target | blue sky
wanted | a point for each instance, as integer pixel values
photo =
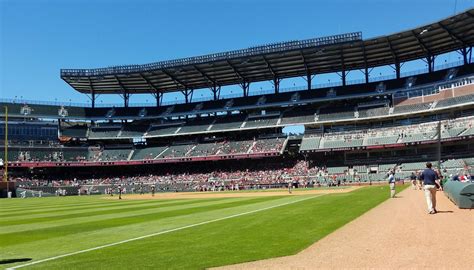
(39, 37)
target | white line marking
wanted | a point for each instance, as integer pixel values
(159, 233)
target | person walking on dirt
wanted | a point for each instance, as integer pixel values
(391, 182)
(431, 183)
(413, 180)
(420, 181)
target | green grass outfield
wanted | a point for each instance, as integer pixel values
(185, 233)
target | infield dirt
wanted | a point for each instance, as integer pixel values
(237, 194)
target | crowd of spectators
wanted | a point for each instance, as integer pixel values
(298, 174)
(266, 176)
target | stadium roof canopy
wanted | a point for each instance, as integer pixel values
(277, 61)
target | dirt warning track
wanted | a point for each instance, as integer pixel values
(399, 233)
(237, 194)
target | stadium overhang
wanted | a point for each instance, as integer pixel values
(339, 53)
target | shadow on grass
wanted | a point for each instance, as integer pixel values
(8, 261)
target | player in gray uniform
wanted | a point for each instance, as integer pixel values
(391, 182)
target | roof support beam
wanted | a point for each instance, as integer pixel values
(246, 88)
(305, 64)
(188, 95)
(216, 91)
(270, 67)
(395, 58)
(470, 55)
(366, 73)
(236, 71)
(343, 77)
(176, 80)
(159, 99)
(211, 80)
(149, 83)
(276, 80)
(309, 79)
(397, 69)
(422, 44)
(125, 93)
(366, 66)
(309, 76)
(157, 94)
(92, 93)
(453, 35)
(466, 55)
(276, 84)
(343, 71)
(430, 60)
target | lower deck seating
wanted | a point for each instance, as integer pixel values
(162, 130)
(416, 137)
(336, 170)
(453, 163)
(382, 140)
(114, 154)
(147, 153)
(236, 147)
(262, 122)
(296, 119)
(75, 154)
(176, 151)
(336, 116)
(342, 143)
(454, 101)
(104, 132)
(196, 126)
(267, 145)
(206, 149)
(376, 112)
(310, 143)
(133, 131)
(386, 167)
(229, 122)
(413, 166)
(74, 132)
(411, 108)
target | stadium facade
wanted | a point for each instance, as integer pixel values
(356, 132)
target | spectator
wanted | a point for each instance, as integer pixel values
(431, 183)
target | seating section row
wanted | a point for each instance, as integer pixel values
(395, 134)
(203, 149)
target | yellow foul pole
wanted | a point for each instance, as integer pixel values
(5, 177)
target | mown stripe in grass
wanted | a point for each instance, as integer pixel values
(32, 204)
(74, 208)
(10, 239)
(100, 211)
(41, 203)
(53, 212)
(36, 226)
